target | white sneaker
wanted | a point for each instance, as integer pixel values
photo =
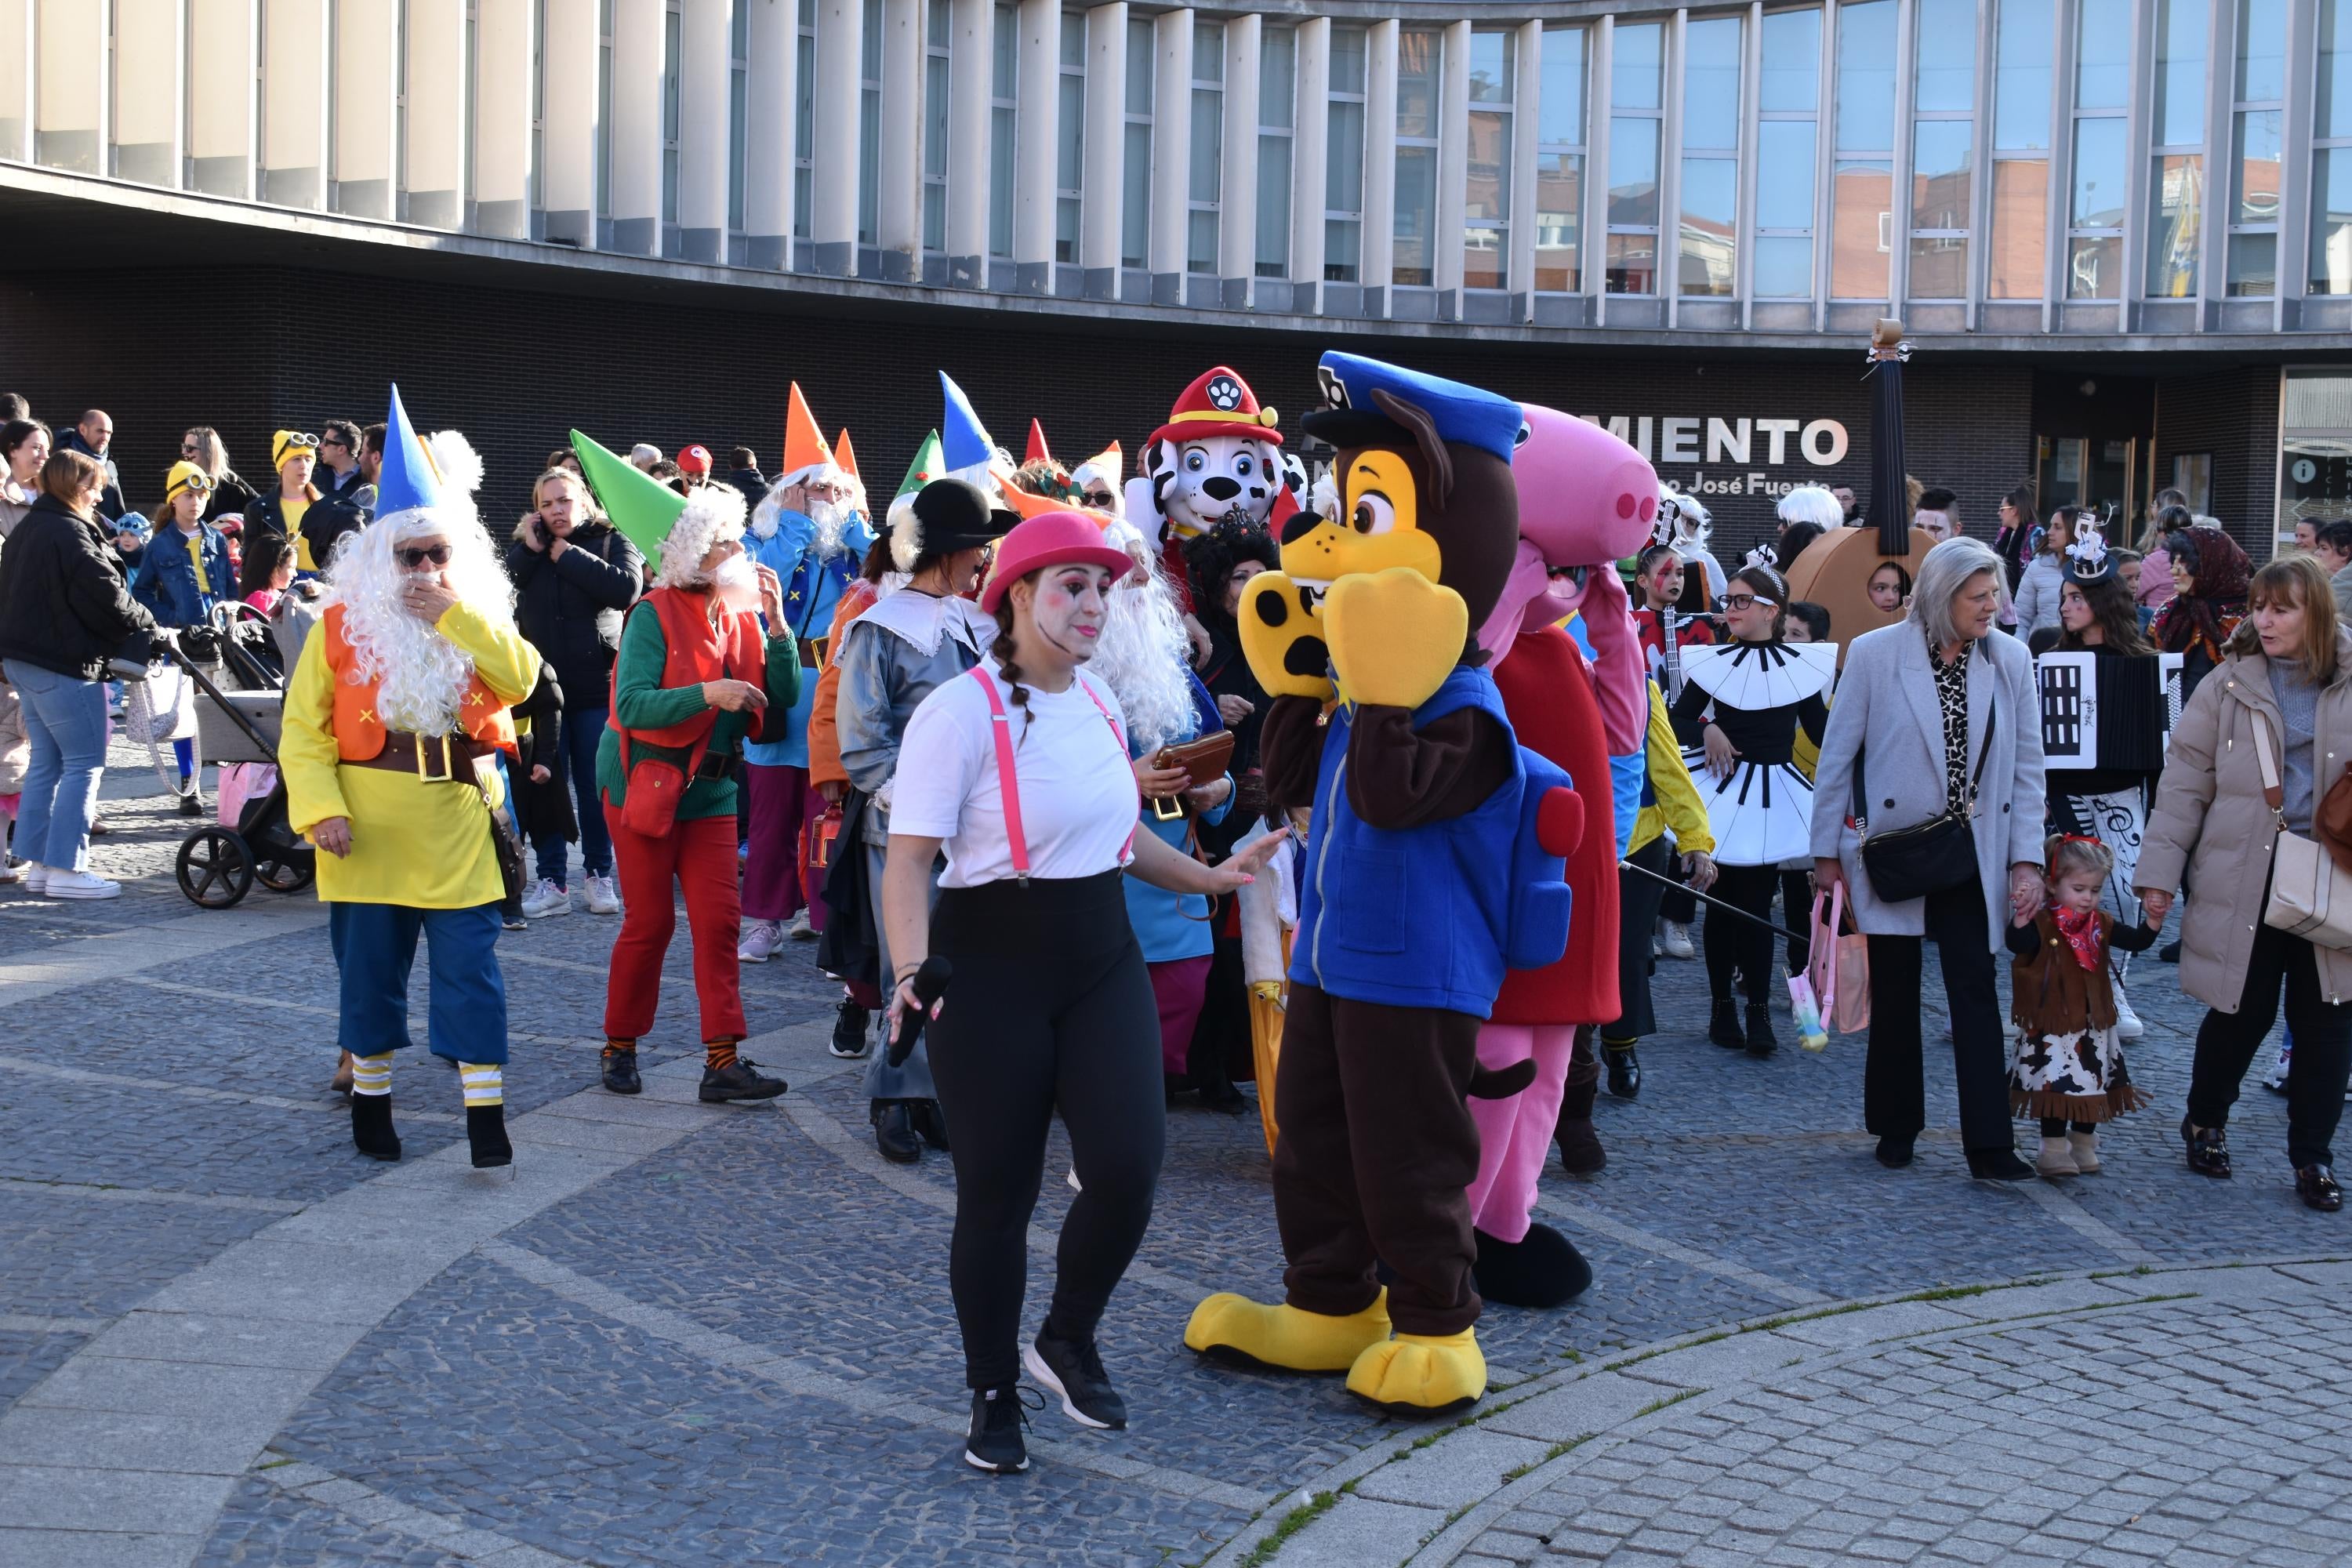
(602, 898)
(1674, 937)
(800, 930)
(10, 870)
(760, 943)
(544, 898)
(81, 885)
(35, 876)
(2127, 1024)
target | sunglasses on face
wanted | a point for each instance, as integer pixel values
(187, 448)
(335, 441)
(412, 557)
(1747, 601)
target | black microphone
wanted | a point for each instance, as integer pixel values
(931, 984)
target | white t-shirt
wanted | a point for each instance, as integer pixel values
(1078, 801)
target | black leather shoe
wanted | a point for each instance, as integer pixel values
(372, 1131)
(1625, 1071)
(931, 1123)
(2209, 1149)
(1723, 1026)
(2315, 1186)
(1997, 1165)
(739, 1080)
(1893, 1153)
(486, 1136)
(894, 1133)
(1760, 1042)
(621, 1072)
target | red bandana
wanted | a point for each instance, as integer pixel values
(2081, 929)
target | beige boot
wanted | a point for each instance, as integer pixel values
(342, 1081)
(2085, 1149)
(2057, 1159)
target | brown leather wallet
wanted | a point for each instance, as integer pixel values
(1204, 759)
(434, 759)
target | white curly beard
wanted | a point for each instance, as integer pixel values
(422, 676)
(830, 517)
(1141, 653)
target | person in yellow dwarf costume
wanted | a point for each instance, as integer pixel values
(392, 716)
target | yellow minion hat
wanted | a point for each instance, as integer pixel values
(185, 476)
(288, 442)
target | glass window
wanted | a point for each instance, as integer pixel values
(1862, 242)
(1559, 162)
(1947, 56)
(2095, 208)
(1710, 120)
(936, 31)
(2331, 165)
(1710, 199)
(1637, 66)
(2257, 116)
(1343, 176)
(804, 120)
(2179, 119)
(1135, 188)
(1418, 54)
(1940, 152)
(2175, 200)
(1708, 231)
(1208, 146)
(1004, 87)
(1865, 77)
(2021, 92)
(2262, 51)
(1637, 132)
(2022, 45)
(870, 126)
(1787, 139)
(2334, 82)
(1277, 89)
(1784, 174)
(2102, 55)
(1420, 62)
(738, 73)
(1070, 138)
(670, 20)
(1632, 171)
(1943, 150)
(1862, 189)
(1491, 57)
(1792, 62)
(2021, 200)
(1485, 238)
(2098, 200)
(2176, 192)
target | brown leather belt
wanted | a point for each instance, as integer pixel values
(434, 759)
(813, 652)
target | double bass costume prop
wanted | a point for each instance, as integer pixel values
(1434, 862)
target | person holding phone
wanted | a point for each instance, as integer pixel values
(1018, 771)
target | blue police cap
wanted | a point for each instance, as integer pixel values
(1461, 413)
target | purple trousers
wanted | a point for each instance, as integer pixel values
(777, 880)
(1180, 987)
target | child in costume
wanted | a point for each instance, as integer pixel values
(1670, 805)
(1658, 577)
(1434, 862)
(2067, 1066)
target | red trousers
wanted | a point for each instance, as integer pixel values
(778, 880)
(698, 855)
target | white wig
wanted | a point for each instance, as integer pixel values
(713, 514)
(1141, 653)
(423, 675)
(645, 455)
(1813, 504)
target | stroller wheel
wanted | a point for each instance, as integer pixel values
(216, 868)
(284, 877)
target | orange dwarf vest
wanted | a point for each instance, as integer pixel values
(695, 651)
(359, 733)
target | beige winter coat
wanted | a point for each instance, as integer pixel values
(15, 752)
(2210, 821)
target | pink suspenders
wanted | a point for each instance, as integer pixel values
(1000, 726)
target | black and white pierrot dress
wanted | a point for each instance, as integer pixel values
(1759, 693)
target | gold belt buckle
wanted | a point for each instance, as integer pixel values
(820, 646)
(1167, 808)
(448, 771)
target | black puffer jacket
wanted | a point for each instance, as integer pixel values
(570, 607)
(64, 604)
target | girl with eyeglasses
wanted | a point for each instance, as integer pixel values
(1753, 694)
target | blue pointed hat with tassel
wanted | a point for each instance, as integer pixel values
(410, 481)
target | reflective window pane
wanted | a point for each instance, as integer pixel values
(1636, 67)
(2254, 180)
(1939, 266)
(1135, 197)
(1784, 268)
(2020, 196)
(2180, 106)
(2334, 77)
(1416, 93)
(2103, 54)
(1560, 218)
(2253, 265)
(1489, 187)
(1200, 247)
(1208, 143)
(1710, 202)
(2094, 269)
(1632, 264)
(1070, 133)
(1483, 264)
(2021, 89)
(1347, 59)
(2175, 207)
(1793, 61)
(1273, 206)
(1000, 181)
(1784, 174)
(1139, 51)
(1561, 116)
(1947, 55)
(1865, 77)
(1711, 85)
(1862, 229)
(1492, 63)
(1634, 171)
(1342, 242)
(1278, 73)
(2098, 174)
(1343, 187)
(1416, 212)
(2261, 50)
(935, 117)
(2331, 221)
(1073, 39)
(1208, 50)
(1940, 154)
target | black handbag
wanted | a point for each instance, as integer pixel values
(1930, 857)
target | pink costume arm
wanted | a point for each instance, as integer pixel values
(1621, 672)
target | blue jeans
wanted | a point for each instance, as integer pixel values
(582, 733)
(66, 726)
(375, 946)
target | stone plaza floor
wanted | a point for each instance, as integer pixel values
(688, 1334)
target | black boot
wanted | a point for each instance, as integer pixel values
(1723, 1026)
(1625, 1069)
(1580, 1154)
(1541, 1269)
(849, 1040)
(372, 1127)
(1760, 1042)
(486, 1136)
(894, 1133)
(930, 1123)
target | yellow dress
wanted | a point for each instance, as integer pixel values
(427, 846)
(1677, 805)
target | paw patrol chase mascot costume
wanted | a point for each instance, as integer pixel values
(1434, 862)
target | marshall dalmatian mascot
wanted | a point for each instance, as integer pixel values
(1217, 458)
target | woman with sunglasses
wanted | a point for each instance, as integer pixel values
(1753, 693)
(230, 495)
(293, 454)
(184, 572)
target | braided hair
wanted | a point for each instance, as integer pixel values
(1003, 649)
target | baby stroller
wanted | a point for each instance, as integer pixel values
(218, 864)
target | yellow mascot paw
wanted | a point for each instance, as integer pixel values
(1420, 1375)
(1395, 636)
(1282, 638)
(1235, 1328)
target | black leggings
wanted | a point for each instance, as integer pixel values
(2226, 1044)
(1732, 942)
(1050, 1007)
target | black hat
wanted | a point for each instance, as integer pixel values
(943, 517)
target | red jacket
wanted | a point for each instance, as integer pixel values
(1548, 691)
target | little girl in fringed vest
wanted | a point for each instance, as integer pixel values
(2067, 1065)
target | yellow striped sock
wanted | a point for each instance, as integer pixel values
(485, 1083)
(371, 1075)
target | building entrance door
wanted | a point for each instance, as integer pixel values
(2102, 472)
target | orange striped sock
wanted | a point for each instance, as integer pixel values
(718, 1054)
(613, 1048)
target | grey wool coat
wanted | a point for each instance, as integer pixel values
(1887, 723)
(2212, 823)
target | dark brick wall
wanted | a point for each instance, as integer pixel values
(240, 350)
(2233, 414)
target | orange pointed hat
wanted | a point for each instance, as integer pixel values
(804, 447)
(845, 454)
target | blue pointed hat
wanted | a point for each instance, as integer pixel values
(964, 444)
(409, 481)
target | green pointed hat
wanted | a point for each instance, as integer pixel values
(927, 465)
(640, 506)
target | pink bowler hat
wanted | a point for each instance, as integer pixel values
(1051, 539)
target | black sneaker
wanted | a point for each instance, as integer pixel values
(994, 1443)
(740, 1081)
(192, 804)
(1076, 1372)
(849, 1039)
(621, 1072)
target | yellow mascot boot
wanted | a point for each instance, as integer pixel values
(1420, 1375)
(1284, 1337)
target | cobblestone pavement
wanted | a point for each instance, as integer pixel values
(682, 1334)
